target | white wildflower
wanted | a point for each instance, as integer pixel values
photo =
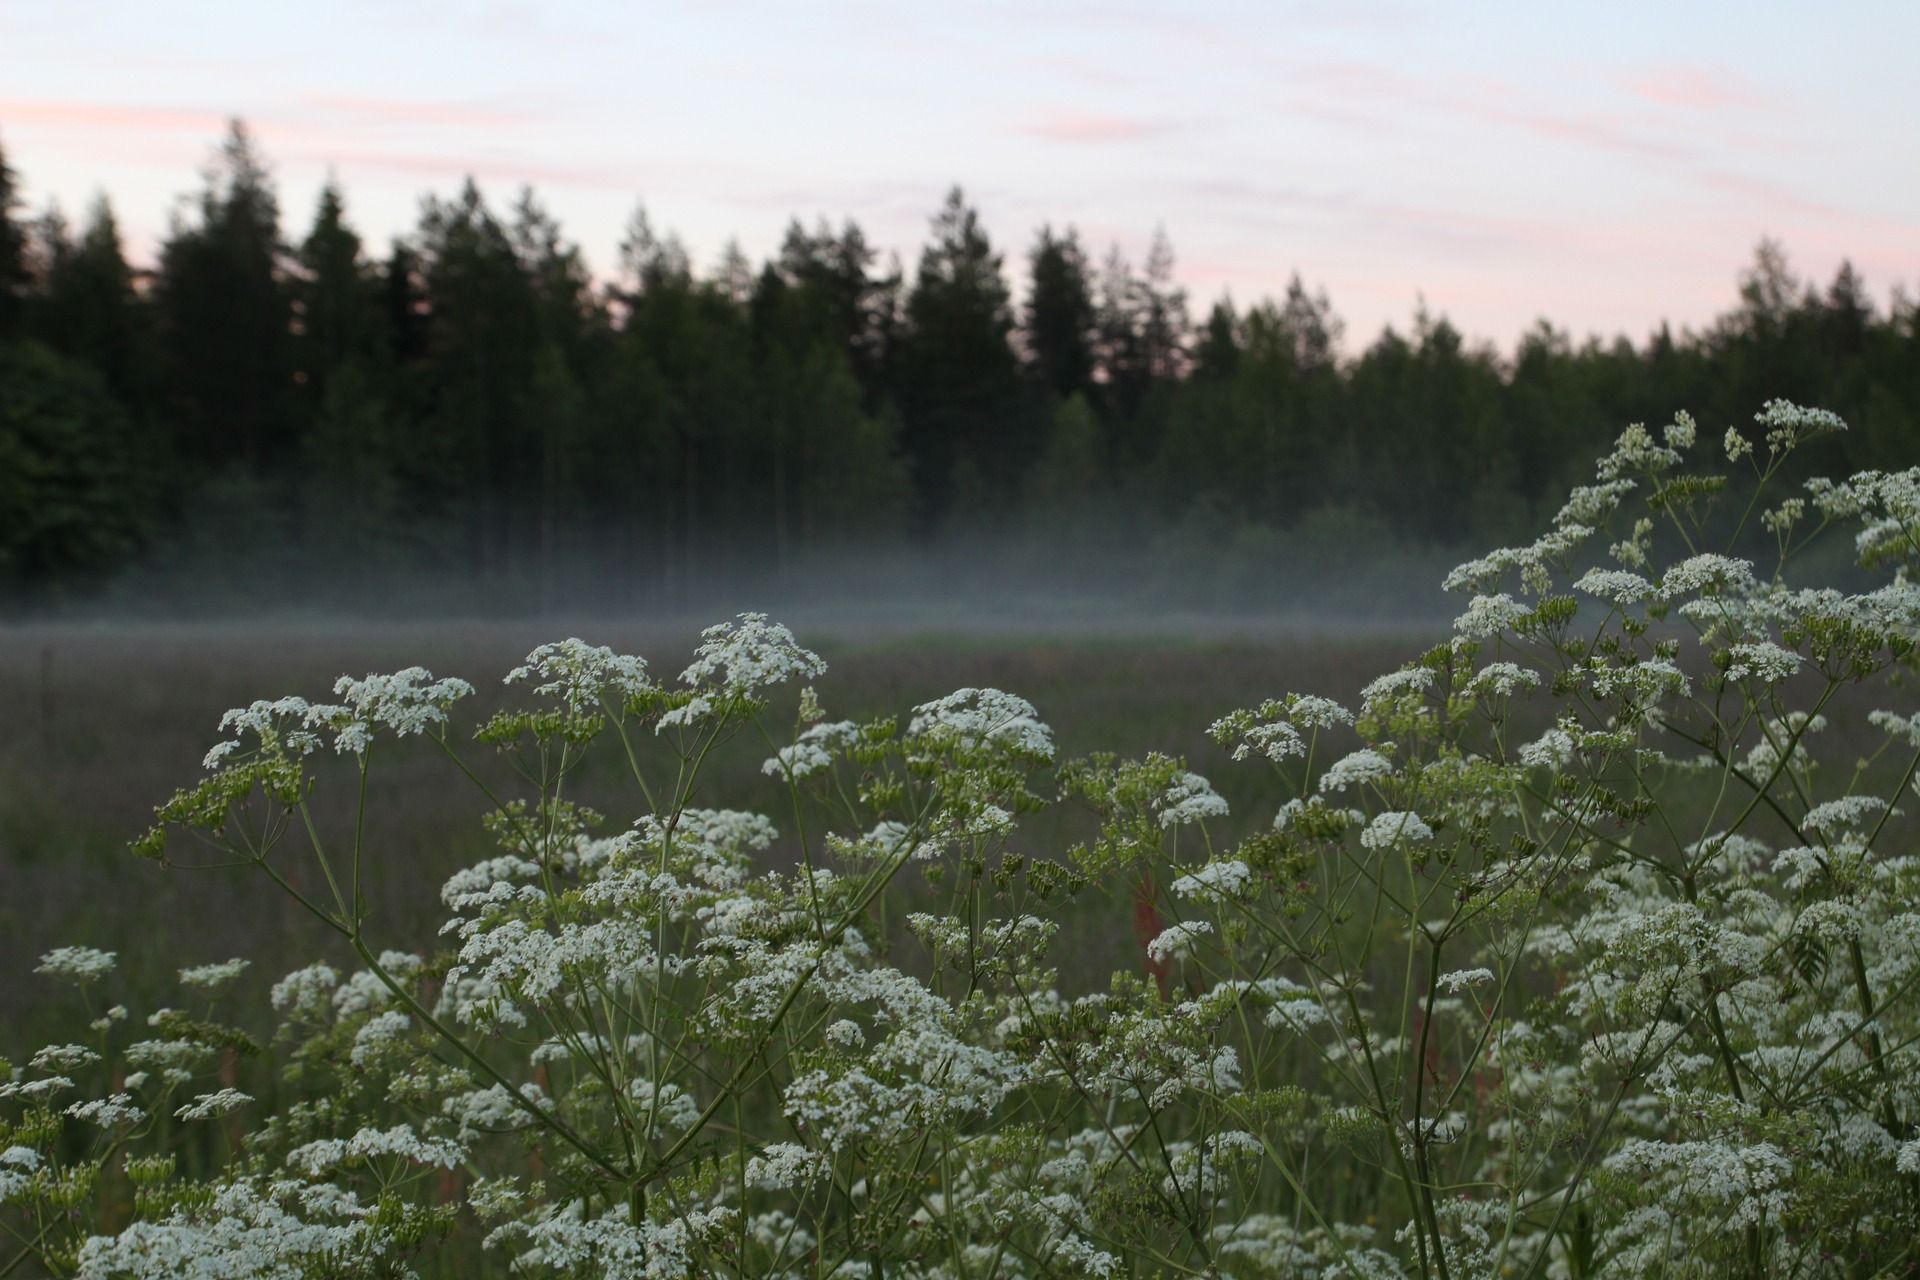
(1363, 766)
(1636, 450)
(785, 1165)
(1460, 979)
(76, 964)
(1847, 811)
(686, 715)
(748, 655)
(1503, 680)
(1393, 829)
(1618, 585)
(58, 1059)
(208, 1106)
(317, 1159)
(1396, 685)
(813, 753)
(306, 993)
(1710, 573)
(583, 675)
(1189, 798)
(1214, 882)
(1681, 434)
(1764, 661)
(211, 977)
(408, 702)
(1490, 616)
(108, 1113)
(379, 1031)
(1176, 941)
(971, 719)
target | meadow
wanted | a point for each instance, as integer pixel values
(104, 722)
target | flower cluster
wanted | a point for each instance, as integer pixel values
(1586, 956)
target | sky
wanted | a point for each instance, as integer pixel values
(1606, 167)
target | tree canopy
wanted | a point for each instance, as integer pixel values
(471, 398)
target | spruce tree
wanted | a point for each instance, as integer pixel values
(13, 251)
(336, 297)
(86, 307)
(1060, 319)
(224, 314)
(968, 426)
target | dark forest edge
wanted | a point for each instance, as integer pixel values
(261, 420)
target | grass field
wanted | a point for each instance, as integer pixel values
(102, 724)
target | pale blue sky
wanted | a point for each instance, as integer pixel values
(1604, 165)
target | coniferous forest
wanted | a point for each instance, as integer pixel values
(470, 401)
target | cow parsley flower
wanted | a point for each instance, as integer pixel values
(969, 719)
(76, 964)
(1636, 450)
(1503, 680)
(1189, 798)
(748, 655)
(209, 1106)
(1215, 881)
(1764, 661)
(1847, 811)
(40, 1090)
(379, 1031)
(1681, 434)
(407, 702)
(1788, 424)
(1592, 503)
(1363, 766)
(1490, 616)
(1618, 585)
(317, 1159)
(211, 977)
(1176, 941)
(1390, 688)
(1460, 979)
(1708, 572)
(583, 675)
(784, 1165)
(58, 1059)
(813, 753)
(108, 1113)
(1551, 750)
(1393, 829)
(306, 993)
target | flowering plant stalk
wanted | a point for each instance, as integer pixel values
(1568, 952)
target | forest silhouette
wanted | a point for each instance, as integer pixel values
(472, 402)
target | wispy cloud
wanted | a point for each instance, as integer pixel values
(1700, 88)
(122, 119)
(360, 111)
(1080, 128)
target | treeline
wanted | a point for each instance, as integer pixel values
(471, 400)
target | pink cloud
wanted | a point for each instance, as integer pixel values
(74, 115)
(397, 111)
(1085, 129)
(1696, 87)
